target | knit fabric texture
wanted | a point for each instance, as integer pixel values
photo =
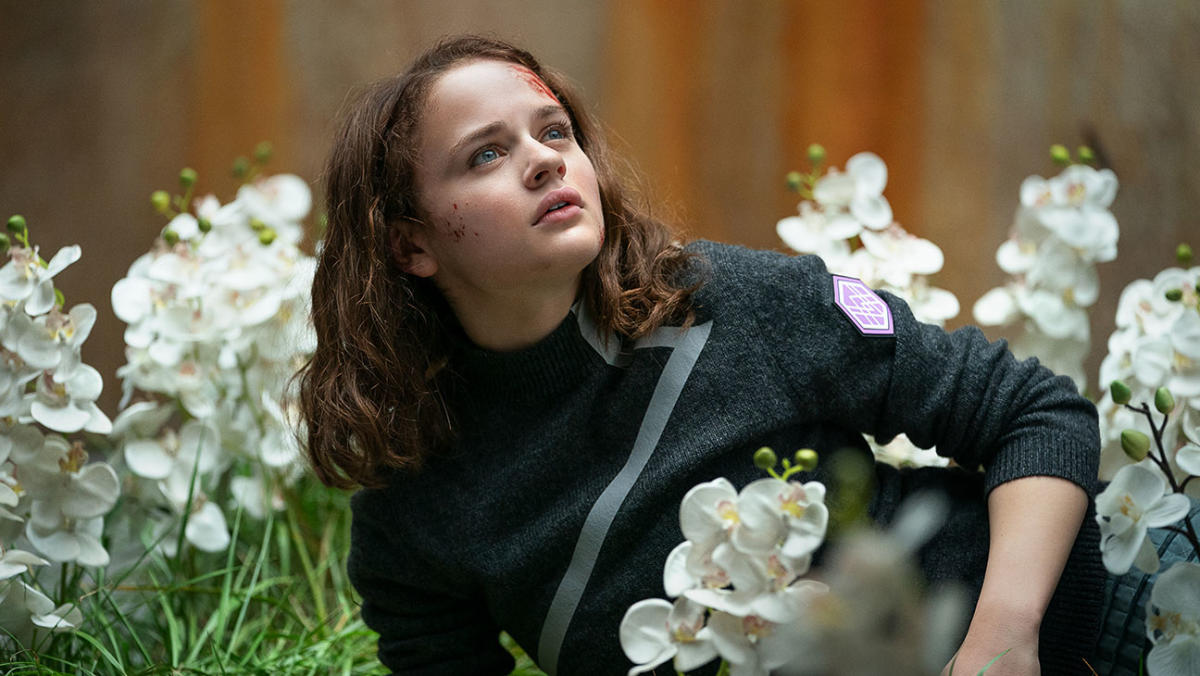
(479, 539)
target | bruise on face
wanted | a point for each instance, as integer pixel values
(531, 78)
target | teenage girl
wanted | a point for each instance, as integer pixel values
(525, 372)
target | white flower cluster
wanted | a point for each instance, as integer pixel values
(739, 594)
(1062, 229)
(1139, 499)
(848, 207)
(218, 316)
(1156, 343)
(51, 498)
(740, 570)
(1155, 355)
(1173, 625)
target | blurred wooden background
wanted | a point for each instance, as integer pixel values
(714, 100)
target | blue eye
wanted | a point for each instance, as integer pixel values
(484, 156)
(555, 135)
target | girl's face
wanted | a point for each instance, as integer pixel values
(510, 201)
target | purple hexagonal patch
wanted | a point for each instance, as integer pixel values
(870, 315)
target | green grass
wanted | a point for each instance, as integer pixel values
(276, 602)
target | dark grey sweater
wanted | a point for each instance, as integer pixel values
(558, 504)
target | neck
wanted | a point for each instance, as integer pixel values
(507, 322)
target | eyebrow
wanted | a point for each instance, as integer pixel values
(493, 127)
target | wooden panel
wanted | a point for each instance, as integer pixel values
(240, 96)
(717, 101)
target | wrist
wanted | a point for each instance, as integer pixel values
(1007, 615)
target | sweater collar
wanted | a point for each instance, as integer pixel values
(555, 364)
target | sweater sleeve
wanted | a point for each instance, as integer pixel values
(424, 627)
(972, 399)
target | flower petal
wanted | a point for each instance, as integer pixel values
(643, 633)
(206, 529)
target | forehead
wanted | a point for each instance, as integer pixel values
(481, 92)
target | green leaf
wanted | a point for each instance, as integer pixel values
(993, 661)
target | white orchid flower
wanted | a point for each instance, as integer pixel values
(206, 528)
(1173, 621)
(257, 494)
(996, 307)
(754, 646)
(69, 498)
(763, 585)
(915, 255)
(141, 419)
(709, 513)
(53, 341)
(70, 406)
(1188, 458)
(815, 232)
(197, 445)
(1134, 502)
(23, 608)
(787, 513)
(929, 304)
(1016, 256)
(13, 562)
(64, 539)
(1059, 269)
(185, 225)
(24, 278)
(859, 190)
(654, 631)
(17, 441)
(1074, 207)
(280, 201)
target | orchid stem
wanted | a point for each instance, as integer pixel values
(1188, 530)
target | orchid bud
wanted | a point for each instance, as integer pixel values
(1120, 392)
(161, 201)
(794, 181)
(816, 154)
(241, 167)
(16, 224)
(806, 459)
(1085, 154)
(204, 224)
(1060, 154)
(1183, 253)
(170, 237)
(266, 236)
(5, 244)
(262, 152)
(1164, 401)
(1174, 295)
(1135, 444)
(187, 177)
(764, 458)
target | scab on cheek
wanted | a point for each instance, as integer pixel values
(531, 78)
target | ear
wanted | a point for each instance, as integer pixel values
(411, 252)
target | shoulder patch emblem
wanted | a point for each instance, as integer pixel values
(866, 310)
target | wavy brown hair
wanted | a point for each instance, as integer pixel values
(372, 393)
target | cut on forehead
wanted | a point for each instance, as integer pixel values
(493, 79)
(531, 78)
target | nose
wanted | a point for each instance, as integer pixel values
(544, 163)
